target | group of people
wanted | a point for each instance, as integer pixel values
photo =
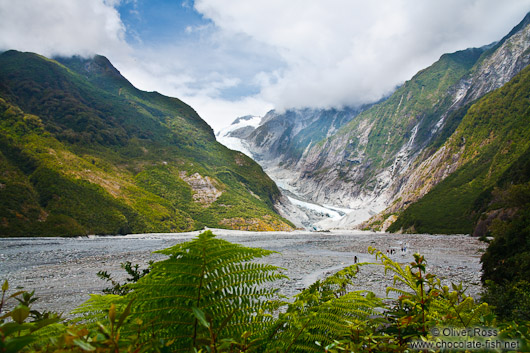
(393, 251)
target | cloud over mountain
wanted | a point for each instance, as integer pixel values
(62, 27)
(349, 52)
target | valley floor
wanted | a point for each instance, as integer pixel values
(63, 270)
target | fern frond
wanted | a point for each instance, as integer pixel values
(322, 313)
(212, 275)
(299, 330)
(96, 308)
(402, 274)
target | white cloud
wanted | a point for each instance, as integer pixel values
(175, 76)
(62, 27)
(220, 113)
(216, 73)
(350, 52)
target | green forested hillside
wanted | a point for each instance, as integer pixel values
(82, 152)
(494, 135)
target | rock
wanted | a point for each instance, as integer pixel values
(205, 188)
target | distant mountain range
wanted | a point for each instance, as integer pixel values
(429, 158)
(82, 151)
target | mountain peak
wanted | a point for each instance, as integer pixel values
(99, 65)
(524, 23)
(97, 69)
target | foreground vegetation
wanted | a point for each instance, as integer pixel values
(209, 296)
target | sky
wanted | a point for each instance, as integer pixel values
(229, 58)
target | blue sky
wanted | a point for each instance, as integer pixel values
(228, 58)
(160, 21)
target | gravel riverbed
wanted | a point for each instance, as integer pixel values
(62, 271)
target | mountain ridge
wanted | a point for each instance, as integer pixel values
(492, 136)
(97, 156)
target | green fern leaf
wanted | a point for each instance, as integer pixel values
(216, 278)
(322, 313)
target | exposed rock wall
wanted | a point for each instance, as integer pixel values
(204, 188)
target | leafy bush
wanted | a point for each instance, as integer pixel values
(133, 271)
(510, 300)
(506, 262)
(19, 326)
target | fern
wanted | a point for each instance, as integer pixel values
(322, 313)
(402, 275)
(329, 316)
(96, 308)
(208, 276)
(209, 296)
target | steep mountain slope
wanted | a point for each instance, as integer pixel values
(283, 137)
(83, 151)
(277, 141)
(496, 66)
(492, 137)
(362, 158)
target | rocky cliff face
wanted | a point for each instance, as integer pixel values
(492, 138)
(284, 137)
(496, 67)
(358, 165)
(278, 141)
